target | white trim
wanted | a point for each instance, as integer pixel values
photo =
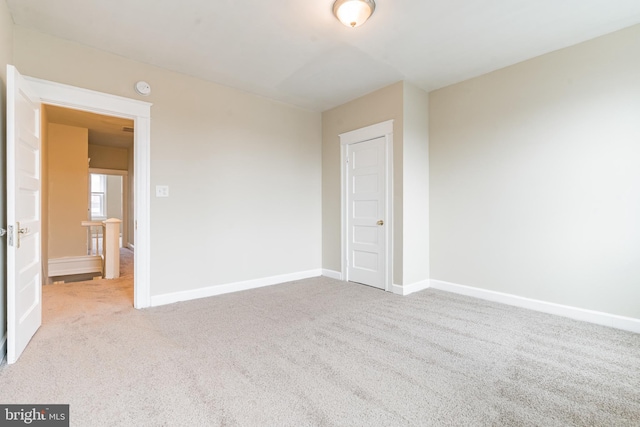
(75, 265)
(332, 274)
(3, 348)
(210, 291)
(397, 289)
(367, 133)
(142, 212)
(140, 112)
(109, 171)
(412, 288)
(382, 129)
(89, 100)
(597, 317)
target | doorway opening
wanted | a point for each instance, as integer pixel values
(78, 99)
(86, 159)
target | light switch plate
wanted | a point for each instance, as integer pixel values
(162, 191)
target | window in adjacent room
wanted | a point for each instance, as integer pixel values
(98, 196)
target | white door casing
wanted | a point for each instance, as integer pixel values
(24, 259)
(367, 220)
(61, 95)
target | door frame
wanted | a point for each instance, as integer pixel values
(383, 129)
(61, 95)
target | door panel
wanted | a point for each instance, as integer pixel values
(24, 261)
(366, 183)
(366, 208)
(367, 235)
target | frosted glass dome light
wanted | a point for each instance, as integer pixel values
(353, 13)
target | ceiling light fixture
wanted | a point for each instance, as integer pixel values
(353, 13)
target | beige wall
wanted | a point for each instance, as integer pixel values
(6, 57)
(115, 199)
(244, 172)
(106, 157)
(114, 196)
(535, 178)
(384, 104)
(532, 173)
(68, 176)
(415, 169)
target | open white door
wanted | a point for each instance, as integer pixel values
(24, 263)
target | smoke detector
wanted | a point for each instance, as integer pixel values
(143, 88)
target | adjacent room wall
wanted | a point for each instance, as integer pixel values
(114, 196)
(115, 199)
(107, 157)
(384, 104)
(535, 178)
(244, 172)
(6, 57)
(68, 178)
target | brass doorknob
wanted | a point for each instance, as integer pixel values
(381, 222)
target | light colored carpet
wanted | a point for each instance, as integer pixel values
(322, 352)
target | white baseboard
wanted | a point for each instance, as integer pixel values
(74, 265)
(3, 348)
(409, 289)
(332, 274)
(131, 246)
(231, 287)
(619, 322)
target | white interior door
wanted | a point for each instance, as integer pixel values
(366, 206)
(24, 263)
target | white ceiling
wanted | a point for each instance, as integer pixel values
(297, 52)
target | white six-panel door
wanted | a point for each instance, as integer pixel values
(24, 263)
(366, 207)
